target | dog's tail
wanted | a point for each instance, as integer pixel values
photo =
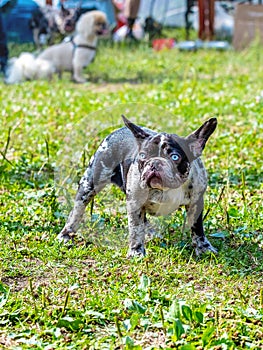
(28, 67)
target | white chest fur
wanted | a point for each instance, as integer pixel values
(166, 202)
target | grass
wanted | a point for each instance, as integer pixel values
(91, 296)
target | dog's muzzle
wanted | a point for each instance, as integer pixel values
(102, 29)
(159, 173)
(153, 174)
(69, 26)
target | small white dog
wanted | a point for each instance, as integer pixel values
(28, 67)
(72, 55)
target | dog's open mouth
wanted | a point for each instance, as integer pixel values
(102, 31)
(69, 28)
(154, 180)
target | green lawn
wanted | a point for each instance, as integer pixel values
(92, 296)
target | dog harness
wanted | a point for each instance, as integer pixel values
(82, 46)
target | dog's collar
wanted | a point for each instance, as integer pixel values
(83, 46)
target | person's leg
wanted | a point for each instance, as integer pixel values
(130, 23)
(3, 48)
(131, 12)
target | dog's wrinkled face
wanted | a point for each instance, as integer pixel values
(70, 18)
(162, 162)
(66, 19)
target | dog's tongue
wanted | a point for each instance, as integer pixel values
(155, 182)
(69, 27)
(103, 32)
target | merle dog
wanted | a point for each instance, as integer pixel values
(48, 21)
(159, 172)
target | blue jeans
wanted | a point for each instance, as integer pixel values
(3, 47)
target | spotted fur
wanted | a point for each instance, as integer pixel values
(158, 172)
(48, 21)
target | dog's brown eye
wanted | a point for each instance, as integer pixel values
(175, 157)
(142, 155)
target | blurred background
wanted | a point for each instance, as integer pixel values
(168, 13)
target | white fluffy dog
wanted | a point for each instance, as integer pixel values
(72, 55)
(28, 67)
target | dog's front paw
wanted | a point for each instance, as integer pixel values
(79, 80)
(138, 252)
(203, 245)
(65, 236)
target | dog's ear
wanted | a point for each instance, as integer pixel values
(138, 132)
(196, 140)
(65, 12)
(77, 12)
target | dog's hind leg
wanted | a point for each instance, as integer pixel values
(104, 168)
(36, 37)
(59, 72)
(109, 164)
(84, 195)
(89, 185)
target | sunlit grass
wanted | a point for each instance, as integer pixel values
(91, 296)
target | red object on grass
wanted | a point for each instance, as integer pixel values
(161, 44)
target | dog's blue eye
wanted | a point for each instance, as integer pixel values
(175, 157)
(142, 155)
